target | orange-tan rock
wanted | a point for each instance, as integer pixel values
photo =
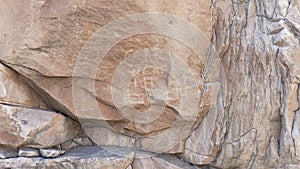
(34, 128)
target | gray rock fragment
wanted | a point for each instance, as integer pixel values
(51, 153)
(6, 152)
(28, 152)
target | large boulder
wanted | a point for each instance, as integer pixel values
(34, 128)
(168, 93)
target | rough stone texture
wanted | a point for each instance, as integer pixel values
(83, 141)
(6, 152)
(258, 42)
(28, 152)
(15, 92)
(76, 142)
(96, 157)
(34, 128)
(45, 58)
(203, 145)
(85, 157)
(51, 153)
(151, 161)
(248, 117)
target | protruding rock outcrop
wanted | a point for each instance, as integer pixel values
(35, 128)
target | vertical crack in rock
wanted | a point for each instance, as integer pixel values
(255, 55)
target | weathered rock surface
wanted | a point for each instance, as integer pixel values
(84, 141)
(14, 91)
(76, 142)
(28, 152)
(6, 152)
(85, 157)
(203, 145)
(151, 161)
(34, 128)
(258, 42)
(246, 67)
(96, 157)
(45, 58)
(51, 153)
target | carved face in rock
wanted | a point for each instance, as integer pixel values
(150, 92)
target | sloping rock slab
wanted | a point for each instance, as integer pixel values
(14, 90)
(34, 128)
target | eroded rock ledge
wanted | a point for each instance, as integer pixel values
(99, 157)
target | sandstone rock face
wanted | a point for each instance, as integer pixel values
(209, 83)
(34, 128)
(164, 100)
(15, 92)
